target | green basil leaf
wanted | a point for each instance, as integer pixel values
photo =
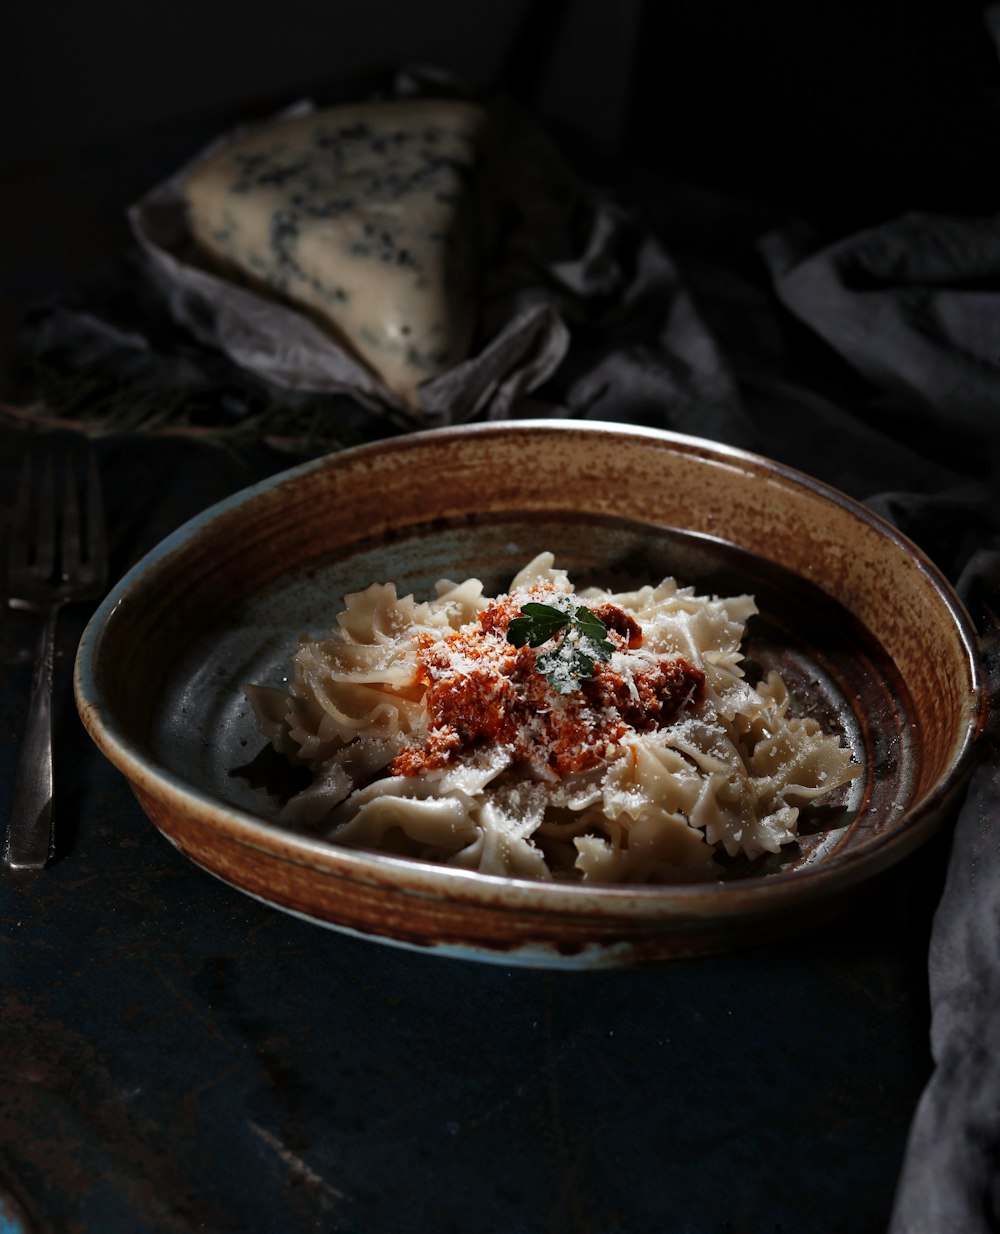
(582, 639)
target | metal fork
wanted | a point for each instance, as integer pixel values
(58, 556)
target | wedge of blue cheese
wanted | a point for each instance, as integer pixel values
(369, 216)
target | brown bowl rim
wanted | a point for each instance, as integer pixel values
(764, 892)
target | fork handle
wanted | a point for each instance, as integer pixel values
(30, 831)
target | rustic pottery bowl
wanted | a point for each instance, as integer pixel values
(869, 636)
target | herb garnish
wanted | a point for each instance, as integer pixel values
(581, 640)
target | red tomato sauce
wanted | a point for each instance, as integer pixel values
(481, 691)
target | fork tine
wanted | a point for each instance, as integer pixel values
(70, 540)
(97, 541)
(32, 584)
(45, 527)
(17, 549)
(58, 550)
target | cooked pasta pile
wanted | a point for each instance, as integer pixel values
(632, 750)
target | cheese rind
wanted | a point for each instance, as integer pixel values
(367, 215)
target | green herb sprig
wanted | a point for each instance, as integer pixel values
(581, 638)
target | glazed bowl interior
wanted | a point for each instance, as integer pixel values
(869, 637)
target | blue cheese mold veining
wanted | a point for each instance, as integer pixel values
(370, 216)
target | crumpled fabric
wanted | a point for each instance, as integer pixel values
(871, 359)
(580, 295)
(287, 349)
(584, 314)
(911, 306)
(951, 1173)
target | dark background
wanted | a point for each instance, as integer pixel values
(854, 108)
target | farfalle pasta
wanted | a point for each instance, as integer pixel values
(616, 739)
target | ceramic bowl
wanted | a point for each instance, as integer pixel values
(868, 634)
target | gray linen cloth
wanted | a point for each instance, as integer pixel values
(913, 307)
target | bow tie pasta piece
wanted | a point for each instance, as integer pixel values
(434, 732)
